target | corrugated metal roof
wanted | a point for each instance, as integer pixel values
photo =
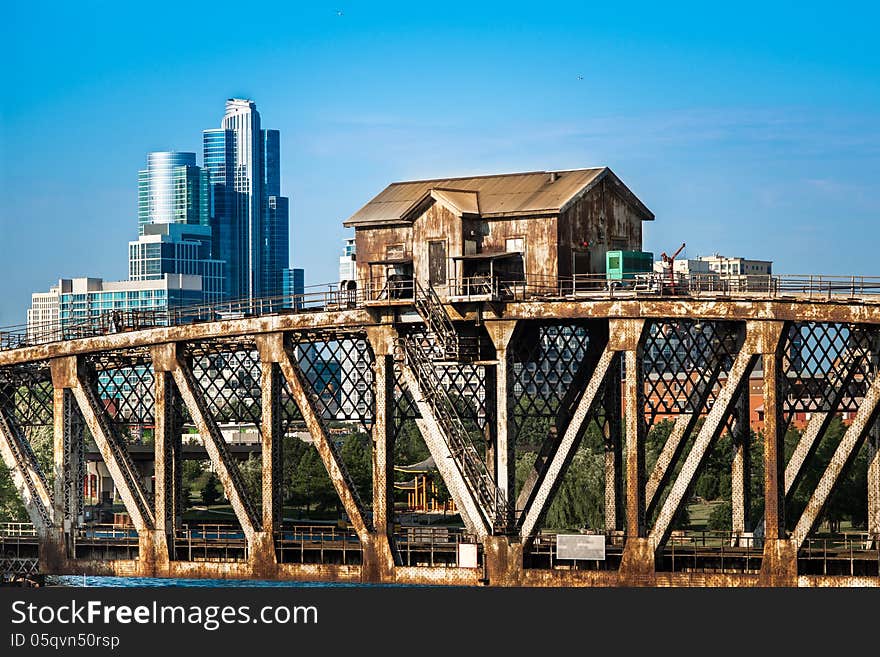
(497, 195)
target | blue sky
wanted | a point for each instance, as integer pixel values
(749, 129)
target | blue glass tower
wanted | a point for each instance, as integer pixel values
(250, 217)
(174, 232)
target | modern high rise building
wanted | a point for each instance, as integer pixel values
(172, 190)
(174, 214)
(250, 217)
(177, 249)
(348, 261)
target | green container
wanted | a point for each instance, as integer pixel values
(624, 265)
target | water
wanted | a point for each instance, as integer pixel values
(124, 582)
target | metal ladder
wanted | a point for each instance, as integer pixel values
(420, 352)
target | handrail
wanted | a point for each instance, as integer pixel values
(334, 297)
(465, 455)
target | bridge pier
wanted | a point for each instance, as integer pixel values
(779, 562)
(637, 567)
(378, 553)
(504, 447)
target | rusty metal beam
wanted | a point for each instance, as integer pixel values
(168, 462)
(250, 326)
(843, 456)
(215, 443)
(835, 310)
(551, 477)
(27, 476)
(613, 447)
(709, 432)
(874, 485)
(332, 462)
(504, 447)
(741, 464)
(432, 433)
(113, 451)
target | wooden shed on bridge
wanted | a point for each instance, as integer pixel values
(540, 227)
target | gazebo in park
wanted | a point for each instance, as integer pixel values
(422, 492)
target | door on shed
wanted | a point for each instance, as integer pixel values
(437, 263)
(580, 268)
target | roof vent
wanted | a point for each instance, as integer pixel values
(553, 176)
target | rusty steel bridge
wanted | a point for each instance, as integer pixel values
(408, 355)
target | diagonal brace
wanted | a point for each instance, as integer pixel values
(840, 461)
(551, 476)
(332, 462)
(437, 445)
(26, 473)
(115, 456)
(709, 432)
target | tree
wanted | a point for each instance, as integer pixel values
(311, 484)
(11, 507)
(211, 489)
(251, 472)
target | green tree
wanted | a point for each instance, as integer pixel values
(311, 485)
(211, 489)
(251, 472)
(11, 507)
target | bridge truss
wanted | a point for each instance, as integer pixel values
(477, 380)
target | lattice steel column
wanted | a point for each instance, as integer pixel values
(271, 348)
(740, 480)
(874, 484)
(613, 448)
(68, 451)
(779, 560)
(505, 447)
(382, 341)
(634, 395)
(168, 461)
(774, 456)
(637, 561)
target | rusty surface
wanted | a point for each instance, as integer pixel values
(846, 451)
(332, 462)
(218, 452)
(504, 561)
(551, 477)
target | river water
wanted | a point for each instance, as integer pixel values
(80, 581)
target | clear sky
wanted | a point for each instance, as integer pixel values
(748, 128)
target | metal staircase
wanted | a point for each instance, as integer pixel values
(447, 343)
(420, 352)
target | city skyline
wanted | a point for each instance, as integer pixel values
(741, 137)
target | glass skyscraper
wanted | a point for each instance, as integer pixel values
(172, 190)
(174, 216)
(177, 249)
(250, 217)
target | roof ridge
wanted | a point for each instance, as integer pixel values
(495, 175)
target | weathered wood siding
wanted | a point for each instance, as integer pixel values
(539, 233)
(604, 219)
